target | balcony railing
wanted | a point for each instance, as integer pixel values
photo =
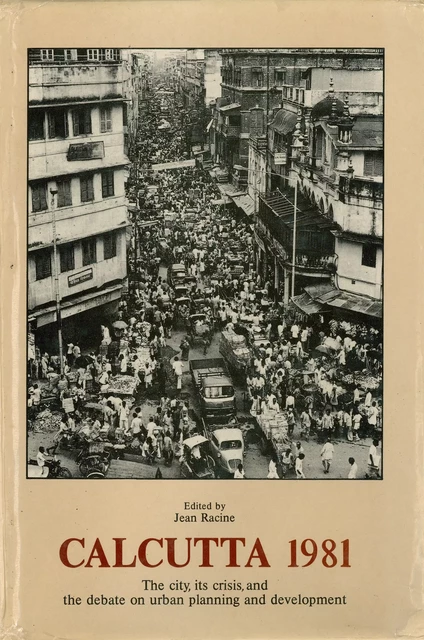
(324, 263)
(360, 189)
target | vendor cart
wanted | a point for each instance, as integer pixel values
(273, 427)
(200, 331)
(235, 351)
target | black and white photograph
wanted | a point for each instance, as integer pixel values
(205, 263)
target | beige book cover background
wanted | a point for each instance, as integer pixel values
(375, 588)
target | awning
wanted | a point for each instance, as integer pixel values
(209, 125)
(306, 304)
(358, 304)
(284, 121)
(83, 302)
(329, 295)
(230, 107)
(227, 189)
(245, 202)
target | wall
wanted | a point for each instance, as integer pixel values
(65, 83)
(212, 76)
(49, 157)
(368, 281)
(41, 292)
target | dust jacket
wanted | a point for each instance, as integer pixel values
(210, 263)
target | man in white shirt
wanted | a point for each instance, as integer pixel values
(294, 332)
(353, 469)
(178, 367)
(327, 455)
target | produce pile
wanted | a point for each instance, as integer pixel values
(364, 380)
(124, 385)
(47, 421)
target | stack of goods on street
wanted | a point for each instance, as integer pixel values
(234, 349)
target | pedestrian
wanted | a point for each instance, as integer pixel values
(299, 466)
(178, 366)
(287, 462)
(272, 469)
(353, 469)
(291, 421)
(239, 472)
(327, 455)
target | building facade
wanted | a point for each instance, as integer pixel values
(76, 199)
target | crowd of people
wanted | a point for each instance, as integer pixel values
(323, 375)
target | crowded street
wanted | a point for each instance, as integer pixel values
(203, 371)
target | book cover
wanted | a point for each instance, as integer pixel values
(211, 251)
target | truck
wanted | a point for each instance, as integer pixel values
(214, 388)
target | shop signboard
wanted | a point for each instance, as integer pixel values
(80, 277)
(280, 158)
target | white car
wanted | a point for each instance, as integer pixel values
(227, 449)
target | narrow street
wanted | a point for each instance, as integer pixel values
(215, 351)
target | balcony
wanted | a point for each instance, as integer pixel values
(361, 191)
(315, 265)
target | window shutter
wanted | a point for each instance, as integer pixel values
(64, 196)
(90, 188)
(83, 184)
(35, 198)
(87, 121)
(378, 164)
(51, 125)
(102, 121)
(318, 150)
(65, 117)
(75, 123)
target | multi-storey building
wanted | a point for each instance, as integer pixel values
(76, 200)
(256, 81)
(334, 156)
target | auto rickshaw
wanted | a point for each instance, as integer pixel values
(196, 462)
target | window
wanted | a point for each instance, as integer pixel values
(87, 189)
(319, 143)
(369, 255)
(39, 196)
(70, 54)
(64, 195)
(108, 188)
(373, 163)
(109, 246)
(280, 77)
(105, 119)
(111, 54)
(92, 54)
(47, 54)
(43, 265)
(67, 258)
(257, 77)
(89, 252)
(125, 115)
(81, 121)
(237, 76)
(35, 124)
(57, 121)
